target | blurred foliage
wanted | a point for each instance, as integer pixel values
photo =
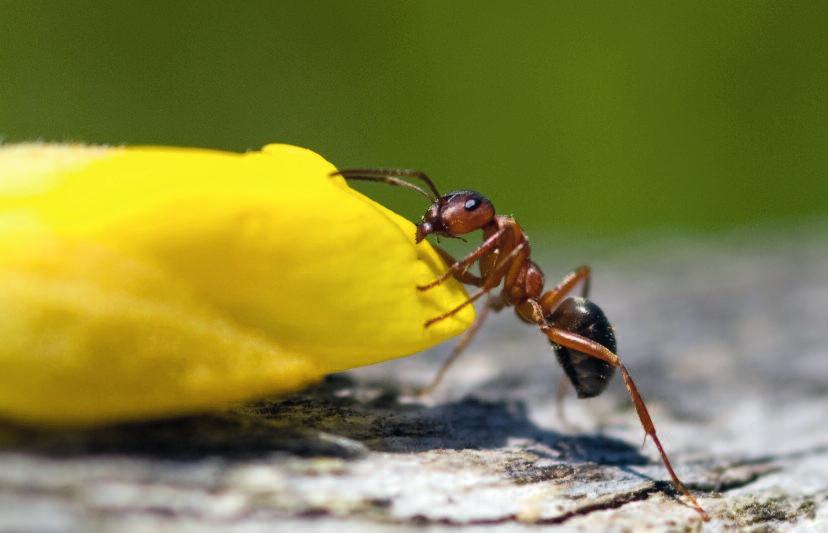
(592, 118)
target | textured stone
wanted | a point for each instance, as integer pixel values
(726, 341)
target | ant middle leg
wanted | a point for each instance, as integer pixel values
(591, 348)
(463, 264)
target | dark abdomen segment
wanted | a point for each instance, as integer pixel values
(588, 375)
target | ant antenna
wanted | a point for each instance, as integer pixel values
(392, 176)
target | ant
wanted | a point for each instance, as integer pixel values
(580, 334)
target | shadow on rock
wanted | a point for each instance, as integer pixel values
(335, 419)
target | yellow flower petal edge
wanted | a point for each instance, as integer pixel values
(145, 281)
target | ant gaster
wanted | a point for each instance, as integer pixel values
(580, 334)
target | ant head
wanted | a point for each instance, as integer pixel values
(456, 213)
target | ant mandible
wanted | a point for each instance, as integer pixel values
(578, 330)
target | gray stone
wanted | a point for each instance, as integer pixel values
(727, 342)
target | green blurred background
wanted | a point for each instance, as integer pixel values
(588, 119)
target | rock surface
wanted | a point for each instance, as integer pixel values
(726, 341)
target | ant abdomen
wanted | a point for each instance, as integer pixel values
(589, 375)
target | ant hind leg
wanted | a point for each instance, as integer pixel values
(551, 298)
(589, 347)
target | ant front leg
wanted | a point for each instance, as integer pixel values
(591, 348)
(458, 266)
(492, 281)
(463, 276)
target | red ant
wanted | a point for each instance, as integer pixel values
(580, 334)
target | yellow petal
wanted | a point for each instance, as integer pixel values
(91, 336)
(264, 274)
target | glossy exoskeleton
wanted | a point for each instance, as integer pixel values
(588, 375)
(580, 334)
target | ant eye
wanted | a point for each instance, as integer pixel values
(472, 204)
